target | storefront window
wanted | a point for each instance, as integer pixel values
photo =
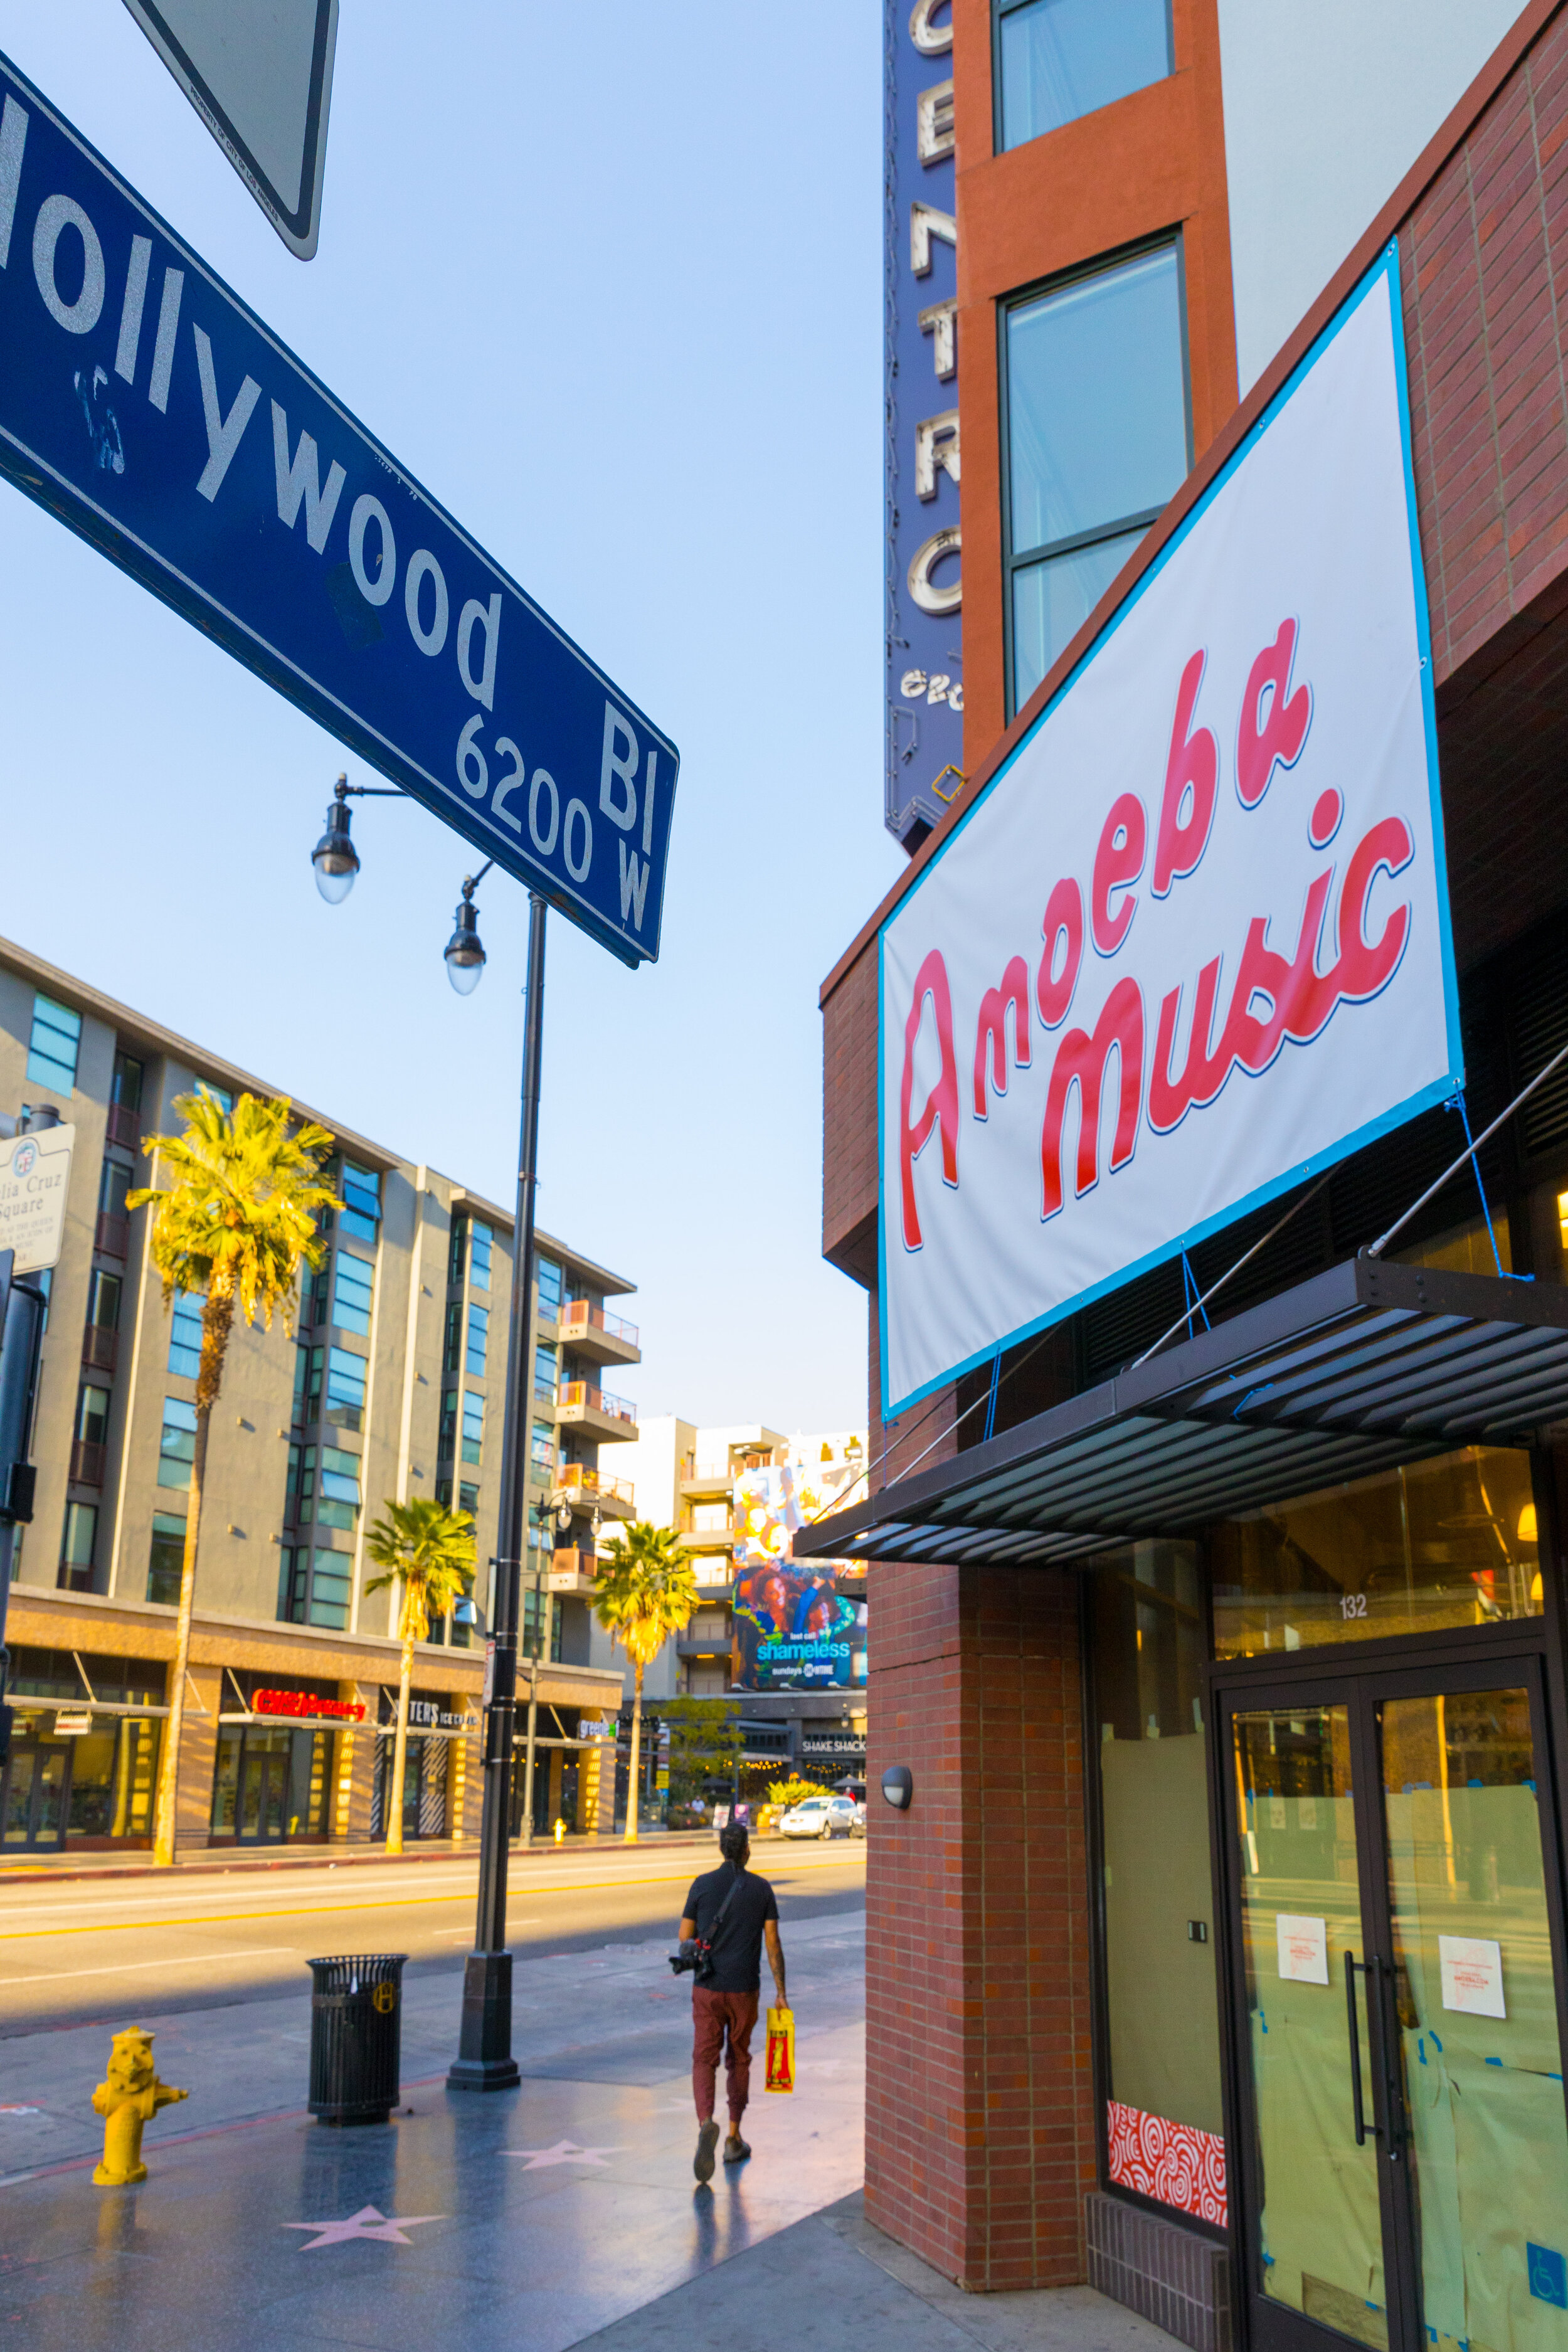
(1150, 1643)
(1442, 1543)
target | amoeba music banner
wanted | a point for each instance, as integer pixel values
(1191, 944)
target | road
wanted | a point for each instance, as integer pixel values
(85, 1952)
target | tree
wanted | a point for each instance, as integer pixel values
(236, 1224)
(646, 1592)
(705, 1743)
(430, 1551)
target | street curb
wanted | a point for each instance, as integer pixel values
(48, 1873)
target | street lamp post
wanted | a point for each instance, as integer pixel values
(485, 2062)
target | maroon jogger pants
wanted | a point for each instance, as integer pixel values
(724, 2022)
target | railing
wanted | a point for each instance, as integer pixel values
(113, 1237)
(125, 1127)
(577, 1314)
(708, 1473)
(716, 1531)
(577, 1475)
(582, 1394)
(567, 1562)
(87, 1462)
(100, 1348)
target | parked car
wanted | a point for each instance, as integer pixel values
(821, 1817)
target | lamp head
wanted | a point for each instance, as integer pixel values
(464, 949)
(334, 857)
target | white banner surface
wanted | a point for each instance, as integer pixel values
(1192, 943)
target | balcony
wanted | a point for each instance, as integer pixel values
(124, 1128)
(595, 1410)
(571, 1572)
(582, 1489)
(99, 1348)
(87, 1462)
(708, 1478)
(113, 1235)
(601, 1338)
(707, 1540)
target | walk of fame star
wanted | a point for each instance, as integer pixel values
(368, 2222)
(565, 2151)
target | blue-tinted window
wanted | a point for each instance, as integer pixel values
(222, 1096)
(362, 1202)
(326, 1602)
(1097, 443)
(478, 1340)
(177, 1444)
(185, 1333)
(546, 1372)
(548, 1290)
(54, 1045)
(480, 1243)
(473, 1425)
(543, 1444)
(338, 1502)
(1057, 60)
(355, 1292)
(345, 1381)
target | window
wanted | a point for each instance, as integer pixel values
(543, 1446)
(296, 1493)
(220, 1095)
(546, 1373)
(541, 1537)
(177, 1446)
(536, 1626)
(356, 1289)
(467, 1497)
(166, 1559)
(549, 1291)
(53, 1047)
(308, 1367)
(1056, 59)
(345, 1386)
(361, 1203)
(1097, 442)
(446, 1442)
(80, 1543)
(481, 1242)
(92, 1417)
(317, 1587)
(103, 1301)
(112, 1186)
(453, 1353)
(125, 1087)
(473, 1425)
(457, 1249)
(185, 1333)
(338, 1504)
(478, 1340)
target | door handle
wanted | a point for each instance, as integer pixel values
(1369, 1970)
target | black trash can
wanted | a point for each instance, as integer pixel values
(356, 2033)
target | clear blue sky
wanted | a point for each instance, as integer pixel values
(607, 277)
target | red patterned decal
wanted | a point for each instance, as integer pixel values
(1175, 2162)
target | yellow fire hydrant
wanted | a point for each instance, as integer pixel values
(127, 2100)
(560, 1830)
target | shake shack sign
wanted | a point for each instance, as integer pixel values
(833, 1743)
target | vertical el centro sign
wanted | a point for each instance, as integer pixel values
(142, 404)
(1192, 943)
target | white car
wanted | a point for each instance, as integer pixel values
(821, 1817)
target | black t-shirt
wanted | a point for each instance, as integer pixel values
(738, 1948)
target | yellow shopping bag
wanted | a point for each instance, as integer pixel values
(781, 2050)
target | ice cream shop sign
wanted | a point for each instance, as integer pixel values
(1192, 942)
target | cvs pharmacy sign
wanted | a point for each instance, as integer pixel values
(1192, 943)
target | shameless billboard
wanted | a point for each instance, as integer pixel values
(1192, 943)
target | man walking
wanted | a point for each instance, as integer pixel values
(731, 1909)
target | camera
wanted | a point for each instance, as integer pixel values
(693, 1955)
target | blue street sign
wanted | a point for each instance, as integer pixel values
(147, 407)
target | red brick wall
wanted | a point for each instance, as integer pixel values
(980, 2139)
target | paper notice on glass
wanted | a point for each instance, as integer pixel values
(1473, 1974)
(1303, 1948)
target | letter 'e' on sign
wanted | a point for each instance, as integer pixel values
(1303, 1945)
(1191, 944)
(34, 1185)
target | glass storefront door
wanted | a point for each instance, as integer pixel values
(1404, 2159)
(33, 1795)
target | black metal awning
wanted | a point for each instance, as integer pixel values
(1359, 1370)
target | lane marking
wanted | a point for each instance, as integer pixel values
(126, 1968)
(409, 1903)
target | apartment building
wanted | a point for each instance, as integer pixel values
(390, 1386)
(734, 1494)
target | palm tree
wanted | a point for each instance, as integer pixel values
(429, 1549)
(646, 1592)
(236, 1224)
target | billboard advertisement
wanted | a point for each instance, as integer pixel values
(793, 1630)
(1190, 945)
(924, 639)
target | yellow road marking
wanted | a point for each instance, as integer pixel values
(320, 1910)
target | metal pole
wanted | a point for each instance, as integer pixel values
(533, 1736)
(484, 2061)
